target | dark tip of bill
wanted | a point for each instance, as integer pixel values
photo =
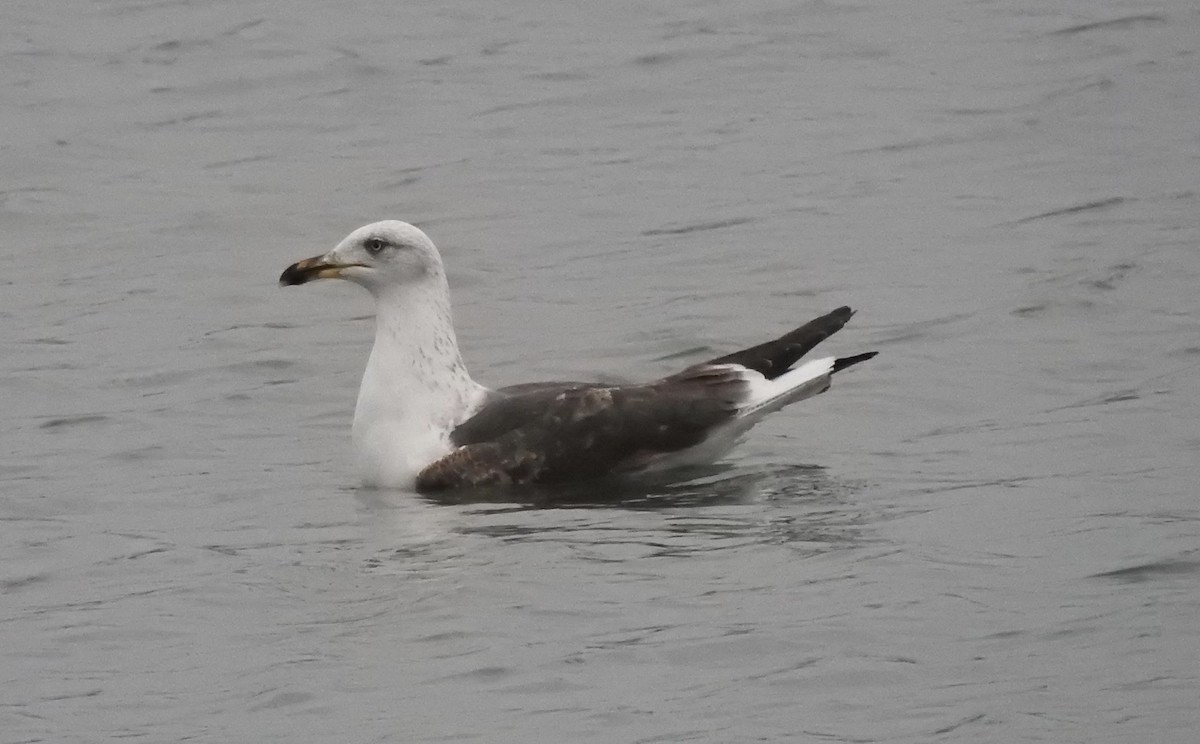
(292, 276)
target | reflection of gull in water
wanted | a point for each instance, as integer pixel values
(421, 420)
(800, 506)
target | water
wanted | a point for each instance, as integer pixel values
(988, 533)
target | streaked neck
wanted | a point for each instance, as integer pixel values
(415, 388)
(415, 365)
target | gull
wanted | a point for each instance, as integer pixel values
(422, 422)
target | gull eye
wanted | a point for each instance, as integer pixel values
(374, 245)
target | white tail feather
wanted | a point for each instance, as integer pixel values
(809, 379)
(763, 397)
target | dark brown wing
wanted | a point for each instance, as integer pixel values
(585, 431)
(517, 405)
(774, 358)
(541, 387)
(511, 408)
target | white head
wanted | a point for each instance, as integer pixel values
(383, 255)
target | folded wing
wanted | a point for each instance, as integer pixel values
(570, 430)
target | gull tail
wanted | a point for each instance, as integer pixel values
(757, 381)
(780, 383)
(775, 358)
(802, 382)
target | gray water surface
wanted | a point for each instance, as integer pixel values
(988, 533)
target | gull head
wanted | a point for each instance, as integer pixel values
(378, 256)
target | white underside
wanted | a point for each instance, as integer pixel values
(389, 454)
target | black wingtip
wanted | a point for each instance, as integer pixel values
(840, 364)
(777, 356)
